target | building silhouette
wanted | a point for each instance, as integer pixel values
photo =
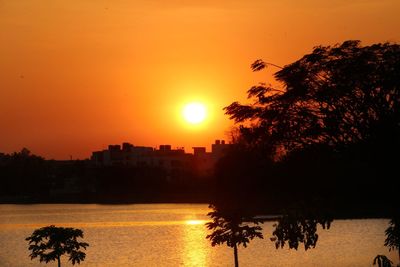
(163, 157)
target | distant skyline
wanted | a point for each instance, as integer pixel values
(77, 76)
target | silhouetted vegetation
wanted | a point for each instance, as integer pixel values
(338, 96)
(392, 241)
(321, 144)
(393, 235)
(50, 243)
(382, 261)
(232, 227)
(294, 228)
(332, 126)
(22, 174)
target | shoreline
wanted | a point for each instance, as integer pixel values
(346, 215)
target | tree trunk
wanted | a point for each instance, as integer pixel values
(59, 261)
(235, 253)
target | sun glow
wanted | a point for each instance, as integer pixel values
(195, 222)
(194, 113)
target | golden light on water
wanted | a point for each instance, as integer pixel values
(199, 223)
(195, 247)
(195, 222)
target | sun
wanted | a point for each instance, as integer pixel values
(194, 113)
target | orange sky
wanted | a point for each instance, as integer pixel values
(76, 76)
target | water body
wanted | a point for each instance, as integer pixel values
(174, 235)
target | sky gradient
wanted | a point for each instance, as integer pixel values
(76, 76)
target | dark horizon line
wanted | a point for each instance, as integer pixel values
(217, 141)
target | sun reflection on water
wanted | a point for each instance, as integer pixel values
(195, 247)
(195, 222)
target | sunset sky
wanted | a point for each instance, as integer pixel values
(76, 76)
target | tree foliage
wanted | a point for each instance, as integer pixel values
(382, 261)
(337, 95)
(393, 234)
(23, 173)
(334, 116)
(294, 228)
(50, 243)
(232, 227)
(392, 241)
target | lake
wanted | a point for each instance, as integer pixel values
(174, 235)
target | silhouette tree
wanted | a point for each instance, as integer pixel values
(297, 227)
(392, 241)
(230, 227)
(50, 243)
(382, 261)
(343, 98)
(393, 235)
(337, 95)
(23, 175)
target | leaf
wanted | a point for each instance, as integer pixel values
(258, 65)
